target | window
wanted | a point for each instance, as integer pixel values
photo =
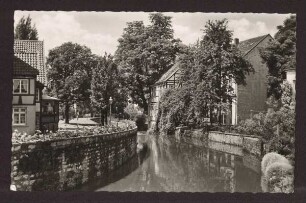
(19, 116)
(21, 86)
(37, 95)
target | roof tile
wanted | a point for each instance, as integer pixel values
(249, 44)
(21, 68)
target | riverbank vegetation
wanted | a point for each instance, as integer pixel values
(78, 131)
(277, 174)
(277, 125)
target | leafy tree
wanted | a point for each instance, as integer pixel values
(24, 29)
(69, 74)
(208, 70)
(280, 55)
(144, 54)
(220, 64)
(105, 83)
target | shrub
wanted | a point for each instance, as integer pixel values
(18, 137)
(277, 173)
(173, 109)
(279, 169)
(277, 126)
(140, 121)
(271, 158)
(132, 110)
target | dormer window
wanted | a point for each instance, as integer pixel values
(21, 86)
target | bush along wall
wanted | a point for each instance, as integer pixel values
(277, 174)
(64, 164)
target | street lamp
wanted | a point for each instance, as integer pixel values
(110, 110)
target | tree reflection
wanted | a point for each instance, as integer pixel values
(190, 165)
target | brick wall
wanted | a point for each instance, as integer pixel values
(65, 164)
(253, 96)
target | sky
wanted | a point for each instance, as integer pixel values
(100, 31)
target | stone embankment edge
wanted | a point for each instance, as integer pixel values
(21, 150)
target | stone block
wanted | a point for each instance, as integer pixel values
(70, 158)
(252, 145)
(227, 138)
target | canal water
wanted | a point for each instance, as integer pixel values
(189, 165)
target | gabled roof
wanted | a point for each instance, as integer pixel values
(246, 46)
(168, 74)
(21, 68)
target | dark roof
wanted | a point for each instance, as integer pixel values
(246, 46)
(21, 68)
(169, 73)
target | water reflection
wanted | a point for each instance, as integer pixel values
(189, 165)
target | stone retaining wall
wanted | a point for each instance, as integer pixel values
(228, 138)
(227, 148)
(249, 143)
(65, 164)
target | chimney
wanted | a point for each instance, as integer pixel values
(236, 41)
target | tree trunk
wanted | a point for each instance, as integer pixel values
(91, 112)
(102, 117)
(220, 116)
(66, 112)
(145, 104)
(105, 116)
(145, 108)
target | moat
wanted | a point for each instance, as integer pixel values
(189, 164)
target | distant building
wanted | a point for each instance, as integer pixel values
(250, 98)
(32, 52)
(169, 80)
(24, 99)
(32, 110)
(291, 78)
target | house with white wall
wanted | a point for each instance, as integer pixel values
(250, 99)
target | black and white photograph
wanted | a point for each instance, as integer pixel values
(153, 102)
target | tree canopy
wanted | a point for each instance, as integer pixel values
(144, 54)
(208, 71)
(105, 83)
(25, 30)
(280, 55)
(69, 73)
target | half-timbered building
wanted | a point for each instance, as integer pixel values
(169, 80)
(251, 98)
(24, 99)
(32, 110)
